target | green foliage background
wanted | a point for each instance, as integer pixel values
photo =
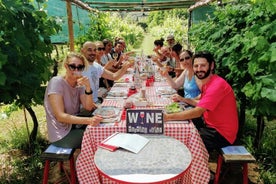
(175, 22)
(242, 36)
(111, 25)
(25, 50)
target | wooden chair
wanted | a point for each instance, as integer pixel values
(234, 154)
(59, 154)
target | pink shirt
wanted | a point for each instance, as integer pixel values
(218, 99)
(71, 100)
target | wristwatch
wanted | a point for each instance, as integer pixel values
(88, 92)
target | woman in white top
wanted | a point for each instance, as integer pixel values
(106, 56)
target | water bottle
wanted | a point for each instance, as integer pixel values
(136, 77)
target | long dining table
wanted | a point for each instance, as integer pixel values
(184, 131)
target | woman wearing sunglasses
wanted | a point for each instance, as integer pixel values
(100, 51)
(186, 78)
(186, 84)
(63, 97)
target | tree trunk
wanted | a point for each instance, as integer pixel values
(33, 134)
(241, 115)
(260, 130)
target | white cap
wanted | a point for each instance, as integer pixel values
(170, 37)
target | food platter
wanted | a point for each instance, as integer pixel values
(107, 112)
(173, 108)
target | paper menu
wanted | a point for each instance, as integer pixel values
(130, 142)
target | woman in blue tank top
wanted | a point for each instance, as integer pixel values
(190, 86)
(186, 78)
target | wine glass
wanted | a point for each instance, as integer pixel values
(78, 75)
(115, 56)
(131, 60)
(142, 115)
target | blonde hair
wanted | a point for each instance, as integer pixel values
(97, 43)
(76, 55)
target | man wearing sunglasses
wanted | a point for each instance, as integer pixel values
(96, 71)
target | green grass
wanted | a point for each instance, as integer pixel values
(266, 153)
(147, 45)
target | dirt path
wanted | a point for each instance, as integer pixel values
(147, 45)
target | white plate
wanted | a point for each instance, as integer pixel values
(121, 85)
(107, 112)
(165, 91)
(117, 93)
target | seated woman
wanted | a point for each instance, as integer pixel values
(186, 78)
(175, 65)
(187, 81)
(158, 44)
(63, 97)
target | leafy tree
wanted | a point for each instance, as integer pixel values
(242, 37)
(157, 18)
(98, 29)
(163, 23)
(25, 49)
(110, 25)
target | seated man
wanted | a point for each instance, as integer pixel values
(217, 104)
(95, 71)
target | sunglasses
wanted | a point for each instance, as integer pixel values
(73, 67)
(100, 48)
(185, 58)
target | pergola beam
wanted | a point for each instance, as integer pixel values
(70, 25)
(200, 3)
(138, 6)
(84, 6)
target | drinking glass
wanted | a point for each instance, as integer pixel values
(115, 56)
(78, 75)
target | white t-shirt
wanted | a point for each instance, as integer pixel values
(71, 99)
(94, 73)
(105, 58)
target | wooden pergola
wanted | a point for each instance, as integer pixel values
(124, 5)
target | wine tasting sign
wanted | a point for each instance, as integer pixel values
(145, 121)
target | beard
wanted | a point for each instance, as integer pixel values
(202, 74)
(91, 57)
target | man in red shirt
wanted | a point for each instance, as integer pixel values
(216, 104)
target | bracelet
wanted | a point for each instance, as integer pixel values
(89, 93)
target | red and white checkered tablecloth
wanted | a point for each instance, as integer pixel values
(198, 172)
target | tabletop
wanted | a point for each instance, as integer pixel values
(184, 131)
(163, 159)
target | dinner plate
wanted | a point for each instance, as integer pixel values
(117, 93)
(122, 80)
(107, 112)
(121, 85)
(166, 91)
